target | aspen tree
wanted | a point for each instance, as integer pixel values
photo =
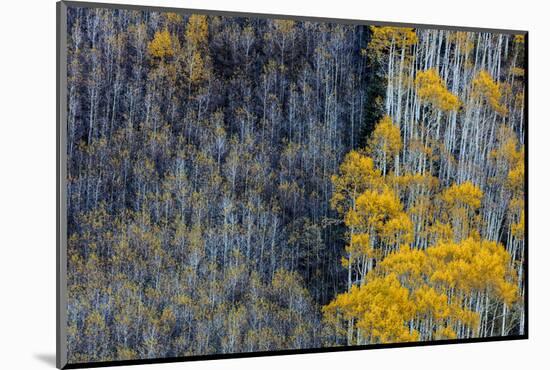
(385, 142)
(161, 46)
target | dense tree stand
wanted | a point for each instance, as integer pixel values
(245, 184)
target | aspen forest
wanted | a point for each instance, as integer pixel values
(245, 184)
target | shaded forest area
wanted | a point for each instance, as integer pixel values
(247, 184)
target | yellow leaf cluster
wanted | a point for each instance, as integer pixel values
(408, 264)
(516, 177)
(196, 32)
(410, 180)
(472, 266)
(508, 148)
(432, 285)
(398, 229)
(197, 70)
(173, 18)
(518, 228)
(386, 137)
(285, 26)
(381, 212)
(518, 72)
(465, 194)
(94, 323)
(431, 89)
(357, 173)
(124, 353)
(360, 245)
(383, 37)
(161, 46)
(374, 208)
(381, 308)
(441, 231)
(485, 87)
(432, 303)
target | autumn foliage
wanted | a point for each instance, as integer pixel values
(432, 90)
(403, 293)
(241, 184)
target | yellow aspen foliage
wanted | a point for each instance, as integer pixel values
(183, 300)
(94, 323)
(356, 173)
(161, 46)
(465, 194)
(195, 55)
(236, 317)
(386, 137)
(473, 266)
(440, 231)
(124, 353)
(381, 309)
(97, 218)
(197, 70)
(420, 206)
(507, 93)
(360, 254)
(196, 32)
(383, 37)
(415, 180)
(283, 279)
(360, 245)
(519, 100)
(374, 209)
(484, 87)
(435, 286)
(520, 39)
(380, 213)
(285, 26)
(431, 303)
(431, 89)
(385, 142)
(516, 177)
(518, 72)
(518, 228)
(445, 332)
(397, 230)
(173, 18)
(409, 264)
(508, 149)
(510, 159)
(419, 147)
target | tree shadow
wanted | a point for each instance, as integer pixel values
(47, 358)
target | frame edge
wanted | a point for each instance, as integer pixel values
(215, 12)
(61, 198)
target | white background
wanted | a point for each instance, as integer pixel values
(27, 183)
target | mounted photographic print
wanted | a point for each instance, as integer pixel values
(235, 184)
